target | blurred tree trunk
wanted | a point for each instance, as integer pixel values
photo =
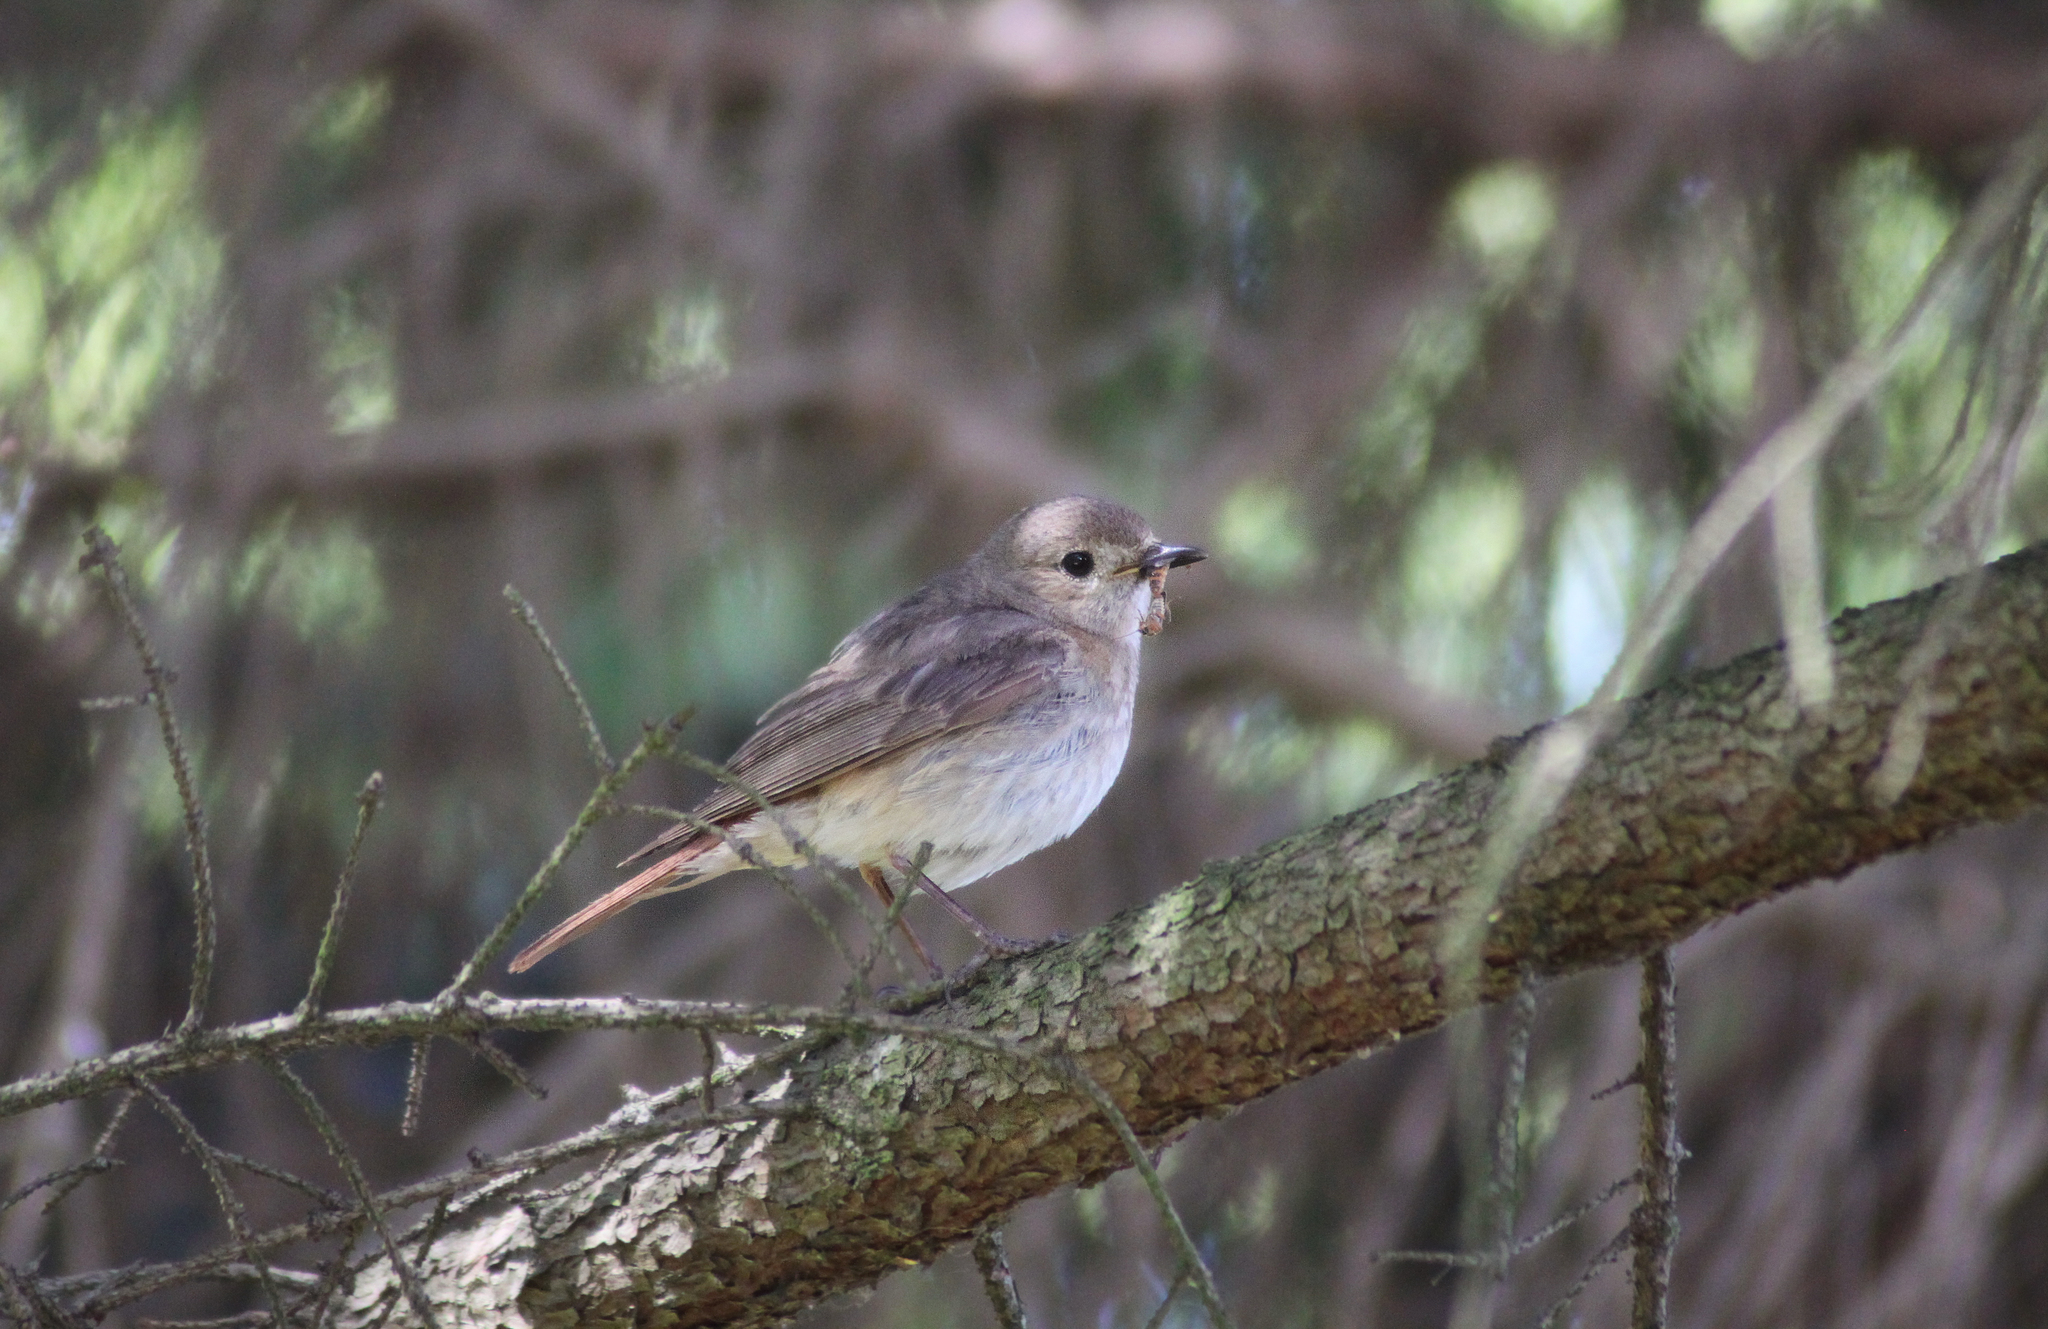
(1713, 793)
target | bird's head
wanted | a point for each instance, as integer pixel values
(1085, 562)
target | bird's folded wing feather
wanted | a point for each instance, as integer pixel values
(887, 687)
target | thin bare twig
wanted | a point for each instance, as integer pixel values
(1505, 1187)
(500, 1061)
(246, 1318)
(98, 1153)
(707, 1099)
(103, 555)
(367, 803)
(415, 1087)
(1191, 1260)
(655, 739)
(345, 1159)
(883, 939)
(1572, 1215)
(298, 1280)
(122, 703)
(231, 1208)
(1491, 1212)
(91, 1167)
(285, 1035)
(1485, 1259)
(27, 1301)
(1653, 1228)
(1180, 1280)
(318, 1194)
(1605, 1256)
(994, 1264)
(592, 736)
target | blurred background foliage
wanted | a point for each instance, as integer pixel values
(713, 327)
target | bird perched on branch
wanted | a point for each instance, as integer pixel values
(985, 715)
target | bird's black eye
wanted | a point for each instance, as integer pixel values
(1078, 564)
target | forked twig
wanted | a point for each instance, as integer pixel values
(1487, 1259)
(1606, 1255)
(236, 1216)
(91, 1167)
(1503, 1186)
(1180, 1280)
(345, 1159)
(654, 740)
(105, 556)
(27, 1303)
(100, 1145)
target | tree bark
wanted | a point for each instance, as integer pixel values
(1713, 793)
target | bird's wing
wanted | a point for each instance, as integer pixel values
(880, 693)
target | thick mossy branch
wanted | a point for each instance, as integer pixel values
(1715, 792)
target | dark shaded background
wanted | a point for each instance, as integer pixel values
(713, 327)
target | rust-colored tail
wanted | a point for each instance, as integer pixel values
(656, 880)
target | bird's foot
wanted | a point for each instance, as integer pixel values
(945, 986)
(996, 946)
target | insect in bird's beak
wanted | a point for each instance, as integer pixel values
(1155, 563)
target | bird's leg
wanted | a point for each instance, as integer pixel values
(872, 875)
(992, 941)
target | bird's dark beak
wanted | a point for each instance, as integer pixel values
(1169, 556)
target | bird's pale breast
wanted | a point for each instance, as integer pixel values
(982, 798)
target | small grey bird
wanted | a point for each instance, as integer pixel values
(985, 714)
